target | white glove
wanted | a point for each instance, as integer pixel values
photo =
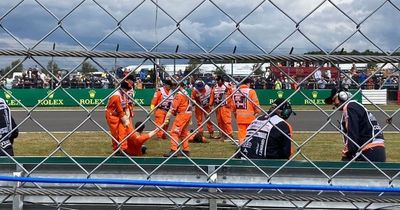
(125, 120)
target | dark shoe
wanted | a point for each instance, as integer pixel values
(119, 153)
(187, 153)
(144, 148)
(170, 153)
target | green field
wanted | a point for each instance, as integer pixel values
(324, 146)
(390, 106)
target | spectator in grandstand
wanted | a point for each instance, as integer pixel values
(318, 75)
(162, 101)
(201, 94)
(268, 136)
(245, 107)
(220, 98)
(363, 136)
(136, 141)
(119, 112)
(278, 84)
(8, 130)
(181, 108)
(286, 81)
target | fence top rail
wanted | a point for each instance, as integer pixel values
(297, 164)
(207, 56)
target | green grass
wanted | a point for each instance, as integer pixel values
(389, 106)
(324, 146)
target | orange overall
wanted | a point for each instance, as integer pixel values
(135, 143)
(245, 109)
(202, 98)
(162, 110)
(223, 112)
(119, 105)
(181, 107)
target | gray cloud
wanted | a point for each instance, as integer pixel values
(266, 26)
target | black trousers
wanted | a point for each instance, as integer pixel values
(374, 154)
(9, 150)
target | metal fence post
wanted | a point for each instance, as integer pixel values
(212, 179)
(18, 200)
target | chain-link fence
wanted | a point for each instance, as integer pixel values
(187, 181)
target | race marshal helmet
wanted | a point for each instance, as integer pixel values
(199, 84)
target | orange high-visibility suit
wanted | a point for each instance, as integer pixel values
(135, 143)
(119, 113)
(160, 113)
(245, 109)
(182, 108)
(202, 98)
(223, 112)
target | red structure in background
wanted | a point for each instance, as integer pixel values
(302, 71)
(398, 97)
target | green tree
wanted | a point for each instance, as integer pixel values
(193, 64)
(87, 68)
(258, 71)
(220, 70)
(18, 68)
(52, 67)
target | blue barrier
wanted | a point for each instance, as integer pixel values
(201, 184)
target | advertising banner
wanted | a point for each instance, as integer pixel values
(92, 97)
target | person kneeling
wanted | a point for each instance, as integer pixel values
(138, 138)
(268, 136)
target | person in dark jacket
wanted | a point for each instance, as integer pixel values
(268, 136)
(362, 132)
(8, 130)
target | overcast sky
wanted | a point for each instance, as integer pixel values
(207, 25)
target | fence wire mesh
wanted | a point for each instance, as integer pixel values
(121, 20)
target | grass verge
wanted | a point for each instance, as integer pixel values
(323, 146)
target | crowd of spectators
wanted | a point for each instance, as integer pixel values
(34, 78)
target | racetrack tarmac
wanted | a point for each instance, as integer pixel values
(79, 120)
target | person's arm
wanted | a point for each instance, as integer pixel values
(15, 133)
(285, 143)
(229, 101)
(255, 103)
(353, 129)
(156, 99)
(211, 103)
(115, 101)
(174, 107)
(195, 98)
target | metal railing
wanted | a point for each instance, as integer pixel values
(253, 172)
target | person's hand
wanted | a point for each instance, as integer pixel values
(190, 121)
(151, 107)
(125, 121)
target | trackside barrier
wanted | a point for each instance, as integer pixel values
(93, 97)
(60, 173)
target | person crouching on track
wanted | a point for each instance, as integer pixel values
(201, 94)
(362, 132)
(182, 109)
(163, 97)
(119, 113)
(268, 136)
(137, 139)
(245, 108)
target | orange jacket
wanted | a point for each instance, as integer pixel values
(117, 103)
(219, 93)
(244, 108)
(202, 98)
(159, 96)
(181, 102)
(135, 143)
